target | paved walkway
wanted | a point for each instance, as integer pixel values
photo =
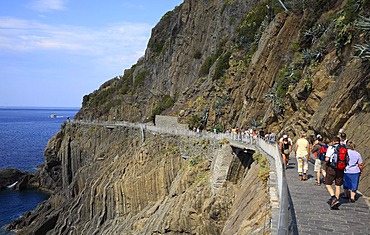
(313, 213)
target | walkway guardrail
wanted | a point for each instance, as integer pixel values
(285, 218)
(271, 149)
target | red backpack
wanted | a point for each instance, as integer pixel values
(342, 158)
(322, 152)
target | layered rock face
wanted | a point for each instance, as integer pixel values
(114, 183)
(251, 63)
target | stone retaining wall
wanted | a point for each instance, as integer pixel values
(170, 123)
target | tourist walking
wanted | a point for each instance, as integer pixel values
(254, 136)
(343, 138)
(352, 172)
(302, 153)
(285, 149)
(319, 152)
(333, 174)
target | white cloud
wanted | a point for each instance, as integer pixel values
(120, 40)
(48, 5)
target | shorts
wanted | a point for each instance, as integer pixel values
(334, 175)
(351, 181)
(319, 165)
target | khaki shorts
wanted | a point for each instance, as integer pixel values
(319, 165)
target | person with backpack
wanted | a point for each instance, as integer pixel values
(302, 153)
(319, 151)
(352, 173)
(335, 157)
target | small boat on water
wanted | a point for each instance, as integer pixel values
(53, 115)
(12, 185)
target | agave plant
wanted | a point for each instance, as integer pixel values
(363, 51)
(363, 23)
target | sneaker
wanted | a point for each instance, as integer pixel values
(334, 203)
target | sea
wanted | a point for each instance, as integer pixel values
(24, 133)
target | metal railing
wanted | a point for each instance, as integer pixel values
(285, 218)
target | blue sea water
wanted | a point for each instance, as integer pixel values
(24, 133)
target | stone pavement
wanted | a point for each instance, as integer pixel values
(312, 211)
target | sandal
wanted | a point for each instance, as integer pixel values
(318, 184)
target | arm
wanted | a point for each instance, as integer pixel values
(315, 150)
(281, 147)
(328, 154)
(360, 164)
(308, 150)
(295, 149)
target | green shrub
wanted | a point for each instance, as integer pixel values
(204, 69)
(249, 26)
(166, 102)
(197, 54)
(124, 89)
(343, 33)
(194, 122)
(156, 45)
(195, 160)
(351, 10)
(226, 4)
(222, 65)
(140, 78)
(285, 78)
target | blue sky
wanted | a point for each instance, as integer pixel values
(53, 52)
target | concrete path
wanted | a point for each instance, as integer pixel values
(312, 211)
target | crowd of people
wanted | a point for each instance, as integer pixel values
(325, 154)
(336, 162)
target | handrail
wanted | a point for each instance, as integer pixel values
(284, 209)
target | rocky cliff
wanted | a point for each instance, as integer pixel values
(111, 182)
(252, 63)
(231, 63)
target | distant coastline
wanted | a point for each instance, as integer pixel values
(38, 108)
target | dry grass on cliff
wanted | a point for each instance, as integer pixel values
(263, 174)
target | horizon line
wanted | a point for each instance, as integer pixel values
(36, 107)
